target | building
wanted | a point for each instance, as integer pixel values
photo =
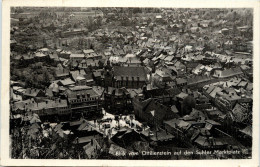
(129, 77)
(61, 73)
(44, 108)
(199, 81)
(117, 99)
(32, 93)
(77, 58)
(228, 73)
(90, 54)
(151, 111)
(83, 99)
(78, 77)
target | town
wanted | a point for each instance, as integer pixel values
(131, 83)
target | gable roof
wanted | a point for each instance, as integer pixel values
(76, 74)
(33, 92)
(116, 91)
(230, 72)
(81, 90)
(198, 79)
(92, 149)
(130, 72)
(156, 109)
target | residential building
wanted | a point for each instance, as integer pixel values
(83, 99)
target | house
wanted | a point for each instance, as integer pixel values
(61, 73)
(32, 93)
(65, 54)
(82, 141)
(90, 54)
(19, 106)
(76, 57)
(78, 77)
(125, 137)
(67, 82)
(92, 149)
(179, 68)
(88, 128)
(151, 111)
(181, 82)
(84, 99)
(161, 78)
(196, 132)
(199, 81)
(47, 107)
(228, 73)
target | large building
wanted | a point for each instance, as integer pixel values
(129, 77)
(83, 99)
(117, 99)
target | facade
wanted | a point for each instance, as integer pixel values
(129, 77)
(45, 108)
(83, 99)
(117, 99)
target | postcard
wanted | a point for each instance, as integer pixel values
(130, 83)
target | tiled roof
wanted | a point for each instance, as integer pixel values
(32, 92)
(88, 51)
(198, 79)
(230, 72)
(67, 82)
(92, 149)
(77, 55)
(47, 104)
(130, 72)
(73, 92)
(77, 73)
(117, 91)
(158, 109)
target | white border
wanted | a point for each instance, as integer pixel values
(5, 160)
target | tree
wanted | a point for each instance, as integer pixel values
(188, 103)
(46, 78)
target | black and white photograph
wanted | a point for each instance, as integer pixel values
(131, 83)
